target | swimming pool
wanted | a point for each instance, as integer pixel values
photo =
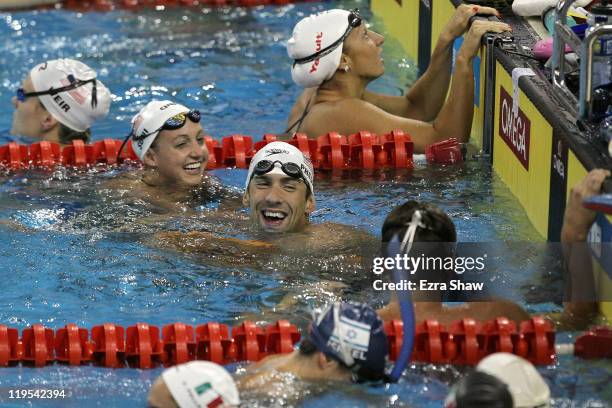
(86, 256)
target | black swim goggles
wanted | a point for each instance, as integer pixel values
(291, 169)
(22, 95)
(175, 122)
(354, 21)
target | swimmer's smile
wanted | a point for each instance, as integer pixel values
(194, 168)
(273, 218)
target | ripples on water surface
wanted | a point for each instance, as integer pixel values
(77, 251)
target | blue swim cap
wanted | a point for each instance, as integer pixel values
(353, 334)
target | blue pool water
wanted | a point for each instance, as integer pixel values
(74, 250)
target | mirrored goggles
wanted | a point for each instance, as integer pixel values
(175, 122)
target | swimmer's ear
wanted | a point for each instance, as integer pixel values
(150, 159)
(310, 204)
(345, 62)
(48, 122)
(245, 198)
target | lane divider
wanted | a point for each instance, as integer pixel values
(144, 346)
(363, 150)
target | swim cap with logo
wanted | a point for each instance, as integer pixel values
(147, 124)
(528, 388)
(76, 108)
(283, 153)
(201, 384)
(353, 334)
(310, 35)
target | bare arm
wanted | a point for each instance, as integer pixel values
(423, 100)
(480, 311)
(455, 117)
(426, 97)
(582, 307)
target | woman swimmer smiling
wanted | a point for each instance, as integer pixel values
(169, 140)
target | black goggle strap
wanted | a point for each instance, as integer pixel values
(74, 83)
(122, 146)
(354, 21)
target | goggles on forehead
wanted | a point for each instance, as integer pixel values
(291, 169)
(22, 95)
(354, 21)
(175, 122)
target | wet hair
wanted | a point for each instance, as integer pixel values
(481, 390)
(436, 240)
(440, 228)
(67, 135)
(307, 347)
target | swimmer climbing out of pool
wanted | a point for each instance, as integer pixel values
(59, 101)
(335, 56)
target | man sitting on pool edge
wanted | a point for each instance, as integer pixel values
(59, 101)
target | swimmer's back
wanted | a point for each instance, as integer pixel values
(346, 116)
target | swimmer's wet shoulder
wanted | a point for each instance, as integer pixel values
(336, 53)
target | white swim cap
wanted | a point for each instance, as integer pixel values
(528, 388)
(313, 34)
(284, 153)
(147, 124)
(76, 108)
(201, 384)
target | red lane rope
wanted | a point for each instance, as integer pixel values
(464, 342)
(363, 150)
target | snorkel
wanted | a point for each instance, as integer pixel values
(405, 300)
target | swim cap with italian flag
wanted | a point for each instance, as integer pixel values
(147, 124)
(201, 384)
(76, 108)
(310, 35)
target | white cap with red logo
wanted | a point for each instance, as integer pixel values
(76, 108)
(310, 35)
